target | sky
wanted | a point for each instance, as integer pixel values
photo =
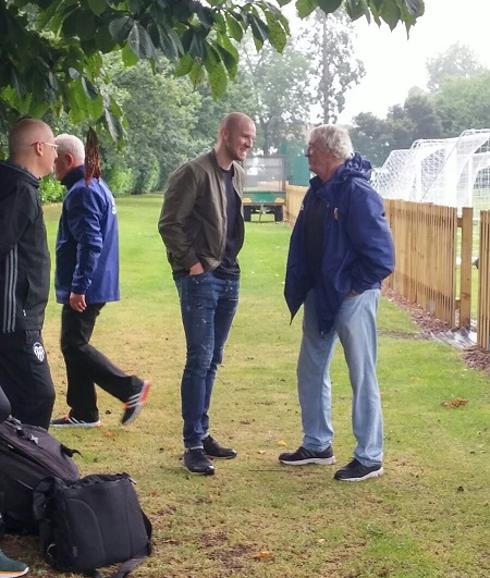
(394, 64)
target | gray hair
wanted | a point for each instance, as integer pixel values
(334, 139)
(68, 143)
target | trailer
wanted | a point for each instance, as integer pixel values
(265, 187)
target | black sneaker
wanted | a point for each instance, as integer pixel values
(134, 405)
(197, 462)
(68, 421)
(356, 472)
(11, 568)
(214, 450)
(302, 456)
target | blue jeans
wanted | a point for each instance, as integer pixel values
(208, 305)
(355, 326)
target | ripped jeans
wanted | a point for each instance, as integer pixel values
(208, 305)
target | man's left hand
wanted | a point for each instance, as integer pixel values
(77, 302)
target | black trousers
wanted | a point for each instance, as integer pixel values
(85, 366)
(25, 377)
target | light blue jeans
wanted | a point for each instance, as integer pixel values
(355, 326)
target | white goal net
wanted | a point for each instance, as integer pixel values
(453, 172)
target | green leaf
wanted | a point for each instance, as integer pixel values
(235, 30)
(113, 125)
(390, 13)
(89, 88)
(277, 35)
(329, 6)
(184, 65)
(79, 23)
(305, 7)
(218, 80)
(128, 56)
(197, 73)
(140, 42)
(205, 16)
(120, 27)
(98, 7)
(228, 45)
(357, 8)
(415, 7)
(260, 30)
(230, 63)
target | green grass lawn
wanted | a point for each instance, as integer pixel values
(427, 517)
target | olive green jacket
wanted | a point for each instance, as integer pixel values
(193, 220)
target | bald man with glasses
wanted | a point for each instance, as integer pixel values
(25, 273)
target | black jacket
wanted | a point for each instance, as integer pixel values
(24, 254)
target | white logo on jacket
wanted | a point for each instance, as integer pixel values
(39, 351)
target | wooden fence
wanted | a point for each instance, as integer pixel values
(484, 282)
(425, 238)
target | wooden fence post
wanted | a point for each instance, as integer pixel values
(466, 264)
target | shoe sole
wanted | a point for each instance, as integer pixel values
(306, 461)
(141, 403)
(70, 425)
(13, 574)
(208, 473)
(375, 474)
(221, 457)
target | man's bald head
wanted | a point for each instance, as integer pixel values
(235, 138)
(26, 132)
(233, 120)
(32, 146)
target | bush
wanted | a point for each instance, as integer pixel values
(51, 190)
(120, 180)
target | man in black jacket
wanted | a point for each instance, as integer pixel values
(24, 273)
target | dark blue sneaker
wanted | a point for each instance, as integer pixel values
(302, 456)
(197, 462)
(354, 471)
(215, 450)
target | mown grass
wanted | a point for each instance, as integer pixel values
(428, 517)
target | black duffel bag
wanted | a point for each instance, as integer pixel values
(28, 454)
(91, 523)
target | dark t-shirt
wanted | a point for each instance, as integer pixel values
(229, 268)
(315, 216)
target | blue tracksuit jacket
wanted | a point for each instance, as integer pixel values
(87, 247)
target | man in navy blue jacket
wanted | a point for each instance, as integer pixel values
(87, 277)
(341, 249)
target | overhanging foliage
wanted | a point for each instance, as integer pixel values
(51, 50)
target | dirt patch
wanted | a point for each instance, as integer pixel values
(427, 323)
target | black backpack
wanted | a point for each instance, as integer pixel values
(91, 523)
(28, 454)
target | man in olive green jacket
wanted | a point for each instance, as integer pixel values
(202, 226)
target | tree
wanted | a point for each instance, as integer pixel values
(279, 84)
(463, 103)
(458, 61)
(370, 136)
(418, 118)
(336, 68)
(51, 50)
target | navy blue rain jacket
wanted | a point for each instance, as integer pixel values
(358, 247)
(87, 247)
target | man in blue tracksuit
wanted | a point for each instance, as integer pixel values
(341, 249)
(87, 277)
